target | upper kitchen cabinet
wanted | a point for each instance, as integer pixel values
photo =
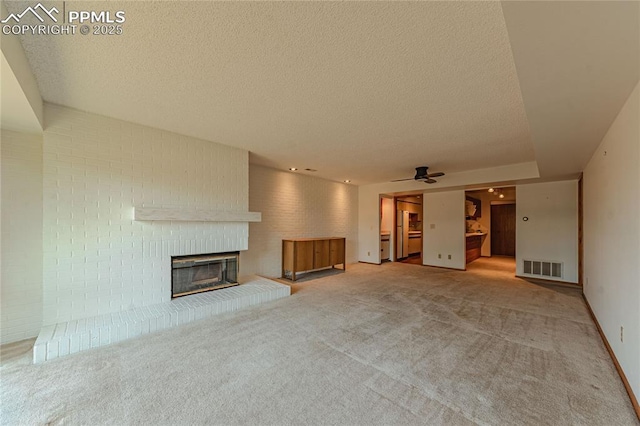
(473, 208)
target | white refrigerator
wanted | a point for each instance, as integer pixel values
(402, 243)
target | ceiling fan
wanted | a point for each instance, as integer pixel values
(423, 175)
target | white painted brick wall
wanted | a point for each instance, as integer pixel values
(21, 277)
(97, 260)
(294, 205)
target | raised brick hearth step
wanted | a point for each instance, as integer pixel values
(74, 336)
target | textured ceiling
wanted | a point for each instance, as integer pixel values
(577, 63)
(357, 90)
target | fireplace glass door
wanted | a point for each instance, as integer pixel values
(196, 274)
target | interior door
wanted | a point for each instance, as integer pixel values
(503, 230)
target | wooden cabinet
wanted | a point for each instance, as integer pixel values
(306, 254)
(321, 254)
(337, 254)
(474, 246)
(384, 247)
(415, 244)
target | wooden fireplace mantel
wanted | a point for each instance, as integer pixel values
(194, 215)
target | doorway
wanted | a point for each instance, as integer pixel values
(503, 230)
(491, 227)
(408, 229)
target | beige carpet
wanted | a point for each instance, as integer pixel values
(390, 344)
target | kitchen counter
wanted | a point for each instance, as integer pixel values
(473, 234)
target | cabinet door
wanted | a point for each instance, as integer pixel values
(321, 254)
(287, 256)
(304, 255)
(415, 245)
(337, 252)
(384, 250)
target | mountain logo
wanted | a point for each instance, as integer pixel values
(33, 10)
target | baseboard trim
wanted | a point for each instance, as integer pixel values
(545, 281)
(625, 382)
(369, 263)
(445, 267)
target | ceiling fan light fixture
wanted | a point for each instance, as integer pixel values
(422, 174)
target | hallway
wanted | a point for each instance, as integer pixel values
(503, 265)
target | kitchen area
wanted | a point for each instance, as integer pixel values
(401, 229)
(476, 229)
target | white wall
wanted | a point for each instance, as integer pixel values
(294, 205)
(386, 223)
(98, 260)
(444, 229)
(551, 233)
(21, 276)
(611, 190)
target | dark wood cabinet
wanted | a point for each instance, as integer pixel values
(474, 247)
(306, 254)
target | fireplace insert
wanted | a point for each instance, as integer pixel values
(205, 272)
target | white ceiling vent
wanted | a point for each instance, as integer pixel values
(543, 268)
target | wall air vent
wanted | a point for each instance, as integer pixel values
(543, 268)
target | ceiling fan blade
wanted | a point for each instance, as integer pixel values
(430, 181)
(436, 174)
(400, 180)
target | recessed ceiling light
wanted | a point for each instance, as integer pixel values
(293, 169)
(347, 181)
(491, 189)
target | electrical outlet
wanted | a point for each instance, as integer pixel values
(439, 256)
(622, 334)
(368, 253)
(449, 257)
